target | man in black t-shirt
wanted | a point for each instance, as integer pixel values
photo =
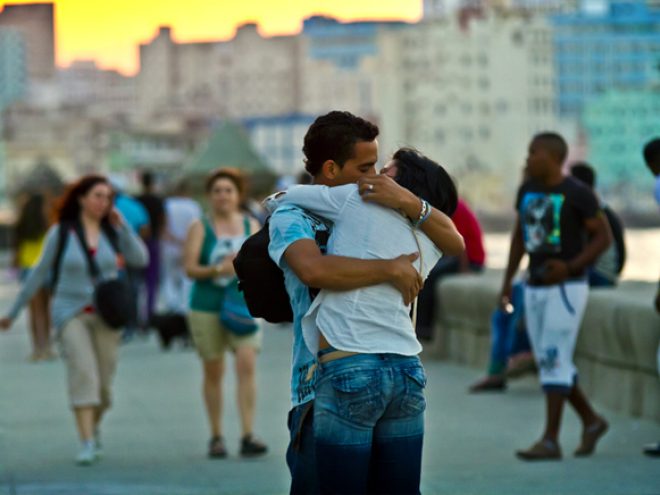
(563, 230)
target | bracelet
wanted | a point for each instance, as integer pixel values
(423, 215)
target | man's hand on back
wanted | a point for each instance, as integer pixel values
(405, 277)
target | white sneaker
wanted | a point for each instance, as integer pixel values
(87, 454)
(98, 447)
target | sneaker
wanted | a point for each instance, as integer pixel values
(590, 437)
(543, 450)
(252, 447)
(87, 454)
(98, 447)
(217, 448)
(489, 383)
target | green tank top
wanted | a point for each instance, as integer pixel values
(206, 294)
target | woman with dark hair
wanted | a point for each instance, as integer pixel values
(29, 236)
(88, 344)
(369, 405)
(211, 246)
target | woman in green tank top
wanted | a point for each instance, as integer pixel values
(211, 245)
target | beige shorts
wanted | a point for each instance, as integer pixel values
(212, 339)
(89, 348)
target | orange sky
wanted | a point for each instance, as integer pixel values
(109, 30)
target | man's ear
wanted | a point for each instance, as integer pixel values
(330, 169)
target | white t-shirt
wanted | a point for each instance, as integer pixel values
(371, 319)
(180, 212)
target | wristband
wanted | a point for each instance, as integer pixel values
(424, 214)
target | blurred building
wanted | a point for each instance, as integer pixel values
(468, 98)
(434, 9)
(337, 65)
(65, 139)
(134, 149)
(248, 75)
(13, 76)
(279, 140)
(101, 92)
(35, 22)
(616, 46)
(618, 124)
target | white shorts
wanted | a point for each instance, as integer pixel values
(553, 315)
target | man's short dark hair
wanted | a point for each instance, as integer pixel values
(333, 137)
(554, 143)
(652, 153)
(147, 179)
(585, 173)
(426, 179)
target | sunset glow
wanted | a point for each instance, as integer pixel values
(110, 30)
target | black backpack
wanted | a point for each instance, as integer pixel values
(262, 281)
(617, 233)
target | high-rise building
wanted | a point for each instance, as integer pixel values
(13, 78)
(618, 124)
(35, 21)
(468, 98)
(599, 49)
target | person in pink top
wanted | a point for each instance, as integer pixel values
(471, 260)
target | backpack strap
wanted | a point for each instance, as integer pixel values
(92, 266)
(111, 235)
(62, 239)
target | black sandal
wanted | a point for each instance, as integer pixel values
(217, 449)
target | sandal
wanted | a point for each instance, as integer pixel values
(590, 437)
(251, 447)
(491, 383)
(543, 450)
(217, 449)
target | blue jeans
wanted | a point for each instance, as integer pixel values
(369, 424)
(300, 455)
(508, 332)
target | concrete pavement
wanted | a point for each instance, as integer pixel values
(155, 436)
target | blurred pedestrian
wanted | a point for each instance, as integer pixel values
(652, 159)
(211, 245)
(606, 270)
(137, 218)
(556, 214)
(153, 204)
(472, 260)
(30, 233)
(180, 212)
(88, 344)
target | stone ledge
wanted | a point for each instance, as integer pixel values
(616, 352)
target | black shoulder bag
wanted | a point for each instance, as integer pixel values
(113, 299)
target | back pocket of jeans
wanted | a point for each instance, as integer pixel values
(358, 396)
(413, 401)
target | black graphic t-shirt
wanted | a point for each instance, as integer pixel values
(552, 220)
